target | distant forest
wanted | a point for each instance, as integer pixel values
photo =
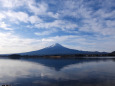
(61, 56)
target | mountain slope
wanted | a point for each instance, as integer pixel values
(57, 49)
(112, 53)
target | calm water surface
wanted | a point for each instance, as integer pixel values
(57, 72)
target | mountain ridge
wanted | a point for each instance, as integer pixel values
(58, 49)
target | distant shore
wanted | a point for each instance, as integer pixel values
(74, 56)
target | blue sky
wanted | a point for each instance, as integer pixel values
(27, 25)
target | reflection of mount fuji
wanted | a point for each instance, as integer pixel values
(58, 49)
(58, 64)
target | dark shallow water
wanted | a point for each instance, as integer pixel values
(57, 72)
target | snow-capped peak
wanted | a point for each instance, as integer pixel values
(55, 45)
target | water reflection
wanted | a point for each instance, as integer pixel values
(39, 72)
(13, 69)
(58, 64)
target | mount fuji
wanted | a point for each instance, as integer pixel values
(57, 49)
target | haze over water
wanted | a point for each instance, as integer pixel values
(57, 72)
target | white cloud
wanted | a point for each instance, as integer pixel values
(69, 15)
(51, 14)
(110, 23)
(4, 26)
(20, 16)
(103, 14)
(47, 32)
(42, 33)
(93, 21)
(57, 24)
(14, 44)
(2, 16)
(17, 16)
(47, 40)
(12, 3)
(32, 6)
(75, 9)
(107, 4)
(98, 25)
(37, 8)
(35, 19)
(85, 43)
(70, 39)
(41, 9)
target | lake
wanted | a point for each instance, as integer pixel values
(57, 72)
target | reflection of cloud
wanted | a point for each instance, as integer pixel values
(15, 69)
(12, 70)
